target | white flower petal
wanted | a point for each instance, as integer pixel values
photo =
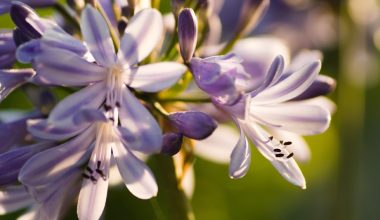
(287, 167)
(93, 195)
(155, 77)
(136, 175)
(142, 34)
(96, 34)
(140, 130)
(290, 87)
(295, 117)
(240, 157)
(217, 148)
(13, 198)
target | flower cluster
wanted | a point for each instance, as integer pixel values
(128, 94)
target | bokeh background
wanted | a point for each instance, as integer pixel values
(343, 176)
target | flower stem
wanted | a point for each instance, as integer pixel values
(171, 197)
(193, 100)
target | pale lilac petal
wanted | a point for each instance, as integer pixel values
(57, 39)
(96, 34)
(322, 102)
(90, 97)
(240, 157)
(258, 54)
(7, 60)
(142, 34)
(93, 195)
(12, 161)
(86, 116)
(65, 68)
(13, 198)
(155, 77)
(217, 148)
(7, 44)
(42, 129)
(299, 146)
(12, 79)
(53, 164)
(288, 168)
(292, 86)
(136, 175)
(295, 117)
(140, 130)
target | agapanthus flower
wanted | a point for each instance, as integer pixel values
(94, 112)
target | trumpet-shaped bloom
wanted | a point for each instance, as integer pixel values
(271, 105)
(93, 114)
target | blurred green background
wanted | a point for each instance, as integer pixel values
(343, 176)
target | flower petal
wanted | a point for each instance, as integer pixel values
(53, 164)
(240, 157)
(136, 175)
(299, 118)
(155, 77)
(140, 130)
(89, 116)
(288, 167)
(90, 97)
(299, 146)
(12, 161)
(290, 87)
(13, 198)
(96, 34)
(142, 34)
(41, 128)
(62, 67)
(216, 147)
(11, 79)
(93, 194)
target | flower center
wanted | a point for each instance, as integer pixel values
(114, 85)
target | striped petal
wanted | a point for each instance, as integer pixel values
(136, 175)
(240, 157)
(140, 130)
(142, 34)
(13, 198)
(12, 79)
(96, 34)
(155, 77)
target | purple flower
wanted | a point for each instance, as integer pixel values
(5, 5)
(171, 143)
(92, 114)
(270, 105)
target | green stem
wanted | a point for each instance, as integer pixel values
(171, 197)
(114, 35)
(193, 100)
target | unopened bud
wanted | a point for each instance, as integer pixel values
(193, 124)
(187, 33)
(171, 143)
(323, 85)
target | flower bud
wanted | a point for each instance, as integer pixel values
(323, 85)
(193, 124)
(187, 33)
(171, 143)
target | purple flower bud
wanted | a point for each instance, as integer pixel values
(323, 85)
(19, 37)
(187, 33)
(171, 143)
(21, 14)
(193, 124)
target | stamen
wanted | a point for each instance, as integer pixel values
(279, 155)
(287, 143)
(277, 150)
(85, 176)
(89, 169)
(118, 104)
(107, 107)
(290, 155)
